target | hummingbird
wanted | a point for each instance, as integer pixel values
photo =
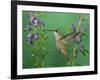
(62, 41)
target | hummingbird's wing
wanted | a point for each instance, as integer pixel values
(74, 35)
(70, 36)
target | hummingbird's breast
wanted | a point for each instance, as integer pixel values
(60, 43)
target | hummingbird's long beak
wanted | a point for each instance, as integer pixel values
(49, 30)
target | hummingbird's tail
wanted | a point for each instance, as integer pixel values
(66, 57)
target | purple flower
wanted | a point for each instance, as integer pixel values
(36, 21)
(73, 28)
(30, 38)
(33, 19)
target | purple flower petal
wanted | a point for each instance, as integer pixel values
(73, 27)
(30, 38)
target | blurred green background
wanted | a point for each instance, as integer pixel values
(54, 20)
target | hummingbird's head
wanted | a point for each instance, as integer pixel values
(57, 31)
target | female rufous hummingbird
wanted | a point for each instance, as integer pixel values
(61, 41)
